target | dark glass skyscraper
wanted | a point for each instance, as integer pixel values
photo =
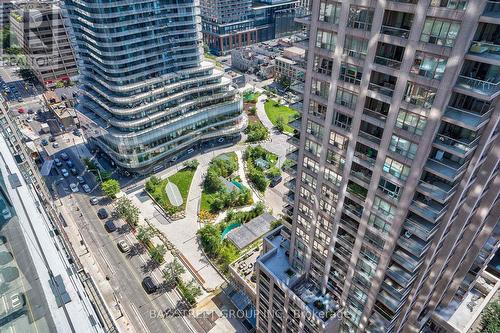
(146, 93)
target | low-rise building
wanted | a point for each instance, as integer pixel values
(62, 110)
(41, 32)
(290, 65)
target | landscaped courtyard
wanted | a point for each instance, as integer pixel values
(278, 113)
(222, 187)
(261, 167)
(156, 187)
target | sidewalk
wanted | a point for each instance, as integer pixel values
(95, 271)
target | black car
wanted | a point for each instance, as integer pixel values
(110, 226)
(73, 171)
(149, 285)
(102, 214)
(52, 139)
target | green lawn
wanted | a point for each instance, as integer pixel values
(273, 112)
(182, 179)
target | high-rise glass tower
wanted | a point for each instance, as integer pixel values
(146, 93)
(393, 213)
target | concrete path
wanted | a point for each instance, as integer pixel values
(261, 113)
(182, 233)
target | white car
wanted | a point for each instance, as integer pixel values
(73, 187)
(86, 188)
(65, 173)
(123, 246)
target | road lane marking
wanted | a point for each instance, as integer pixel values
(139, 317)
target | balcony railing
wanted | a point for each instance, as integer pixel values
(445, 168)
(388, 301)
(381, 89)
(374, 114)
(361, 175)
(460, 147)
(415, 246)
(364, 157)
(405, 260)
(357, 190)
(438, 191)
(348, 226)
(431, 211)
(422, 229)
(353, 209)
(369, 137)
(485, 49)
(388, 62)
(400, 276)
(298, 87)
(296, 124)
(467, 119)
(293, 141)
(394, 31)
(342, 125)
(299, 106)
(488, 87)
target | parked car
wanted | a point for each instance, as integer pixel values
(21, 110)
(30, 111)
(110, 226)
(94, 201)
(77, 132)
(65, 173)
(73, 171)
(57, 162)
(123, 246)
(70, 164)
(55, 145)
(86, 188)
(64, 156)
(148, 284)
(73, 187)
(45, 142)
(80, 179)
(52, 139)
(102, 214)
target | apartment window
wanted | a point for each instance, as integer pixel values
(379, 224)
(358, 294)
(326, 207)
(360, 18)
(411, 122)
(311, 164)
(440, 32)
(317, 109)
(338, 140)
(355, 47)
(329, 12)
(323, 65)
(346, 98)
(351, 73)
(389, 188)
(313, 147)
(329, 193)
(451, 4)
(398, 170)
(342, 121)
(332, 176)
(309, 180)
(335, 159)
(326, 40)
(384, 207)
(315, 129)
(320, 88)
(306, 194)
(403, 147)
(429, 65)
(419, 95)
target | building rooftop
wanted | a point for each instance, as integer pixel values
(244, 266)
(460, 315)
(249, 232)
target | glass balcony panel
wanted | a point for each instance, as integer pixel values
(466, 118)
(485, 49)
(492, 9)
(428, 208)
(406, 261)
(445, 168)
(483, 87)
(412, 244)
(460, 147)
(399, 275)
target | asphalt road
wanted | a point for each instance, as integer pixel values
(125, 271)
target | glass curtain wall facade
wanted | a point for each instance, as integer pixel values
(146, 92)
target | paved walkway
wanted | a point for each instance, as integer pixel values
(182, 233)
(261, 113)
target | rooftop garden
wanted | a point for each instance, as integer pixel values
(256, 132)
(222, 187)
(261, 167)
